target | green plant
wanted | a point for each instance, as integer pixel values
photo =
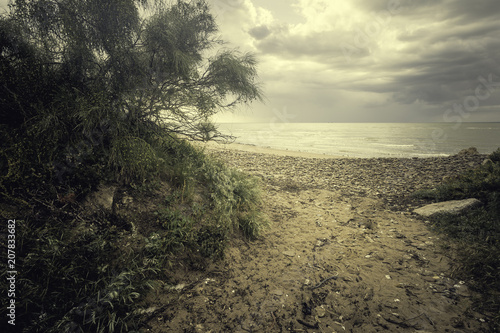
(108, 310)
(482, 183)
(474, 236)
(495, 156)
(173, 219)
(93, 92)
(211, 241)
(234, 197)
(69, 277)
(134, 159)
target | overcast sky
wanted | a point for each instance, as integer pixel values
(370, 60)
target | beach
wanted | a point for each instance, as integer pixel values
(388, 179)
(344, 253)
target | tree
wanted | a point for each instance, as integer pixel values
(93, 91)
(71, 67)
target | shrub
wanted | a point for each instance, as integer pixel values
(94, 92)
(235, 199)
(475, 236)
(72, 281)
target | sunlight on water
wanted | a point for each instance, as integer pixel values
(369, 139)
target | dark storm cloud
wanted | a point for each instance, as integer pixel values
(478, 10)
(445, 54)
(444, 57)
(322, 46)
(389, 55)
(259, 32)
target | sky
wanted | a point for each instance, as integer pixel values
(367, 60)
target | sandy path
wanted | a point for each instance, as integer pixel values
(390, 272)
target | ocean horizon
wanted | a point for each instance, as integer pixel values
(369, 139)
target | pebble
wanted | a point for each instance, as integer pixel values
(320, 311)
(388, 178)
(278, 292)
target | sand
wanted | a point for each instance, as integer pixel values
(344, 253)
(216, 146)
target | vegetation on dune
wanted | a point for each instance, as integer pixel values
(94, 94)
(475, 235)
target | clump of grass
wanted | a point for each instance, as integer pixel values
(235, 198)
(78, 274)
(75, 281)
(475, 235)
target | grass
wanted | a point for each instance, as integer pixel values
(87, 271)
(474, 236)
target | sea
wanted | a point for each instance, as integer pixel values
(369, 139)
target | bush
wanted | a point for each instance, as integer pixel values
(95, 93)
(235, 199)
(495, 156)
(475, 236)
(72, 281)
(482, 183)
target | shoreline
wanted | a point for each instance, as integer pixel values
(391, 179)
(266, 150)
(250, 148)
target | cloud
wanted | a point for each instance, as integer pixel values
(259, 32)
(4, 5)
(427, 53)
(385, 60)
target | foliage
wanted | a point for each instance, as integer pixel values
(235, 199)
(71, 280)
(83, 259)
(482, 183)
(476, 234)
(94, 92)
(95, 83)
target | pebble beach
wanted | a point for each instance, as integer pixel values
(390, 179)
(344, 252)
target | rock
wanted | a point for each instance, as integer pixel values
(102, 198)
(469, 151)
(278, 292)
(487, 162)
(289, 253)
(447, 207)
(320, 311)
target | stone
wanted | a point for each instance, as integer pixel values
(469, 151)
(487, 162)
(289, 253)
(278, 292)
(320, 311)
(447, 207)
(102, 198)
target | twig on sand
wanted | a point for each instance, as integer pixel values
(315, 326)
(334, 277)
